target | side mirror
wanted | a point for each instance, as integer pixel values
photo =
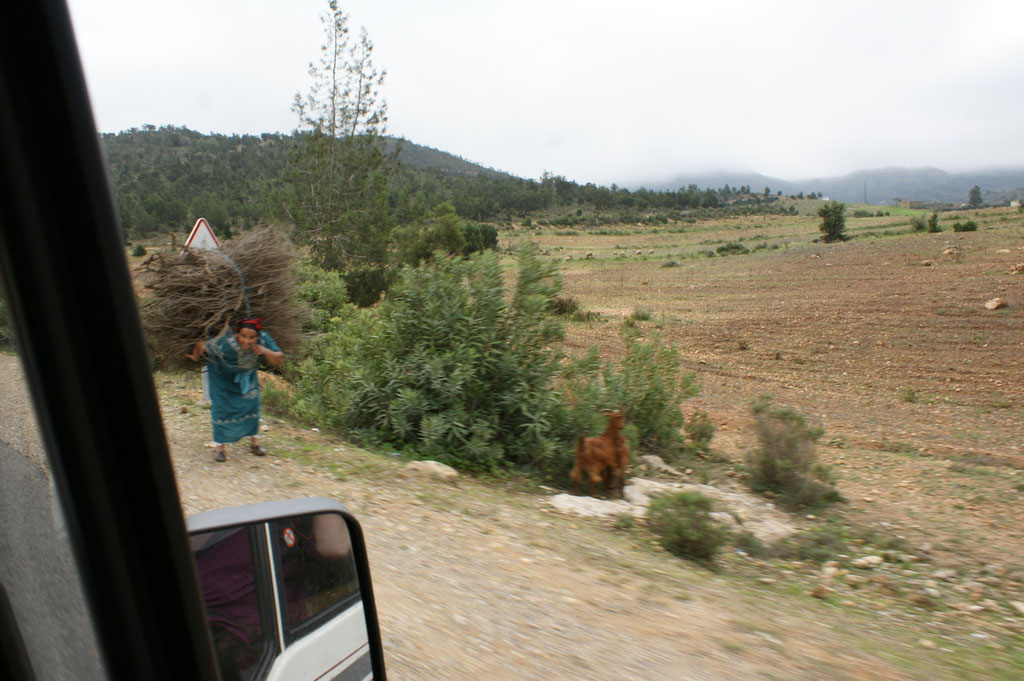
(287, 591)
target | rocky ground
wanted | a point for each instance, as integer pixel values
(491, 579)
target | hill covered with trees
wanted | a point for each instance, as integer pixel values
(164, 178)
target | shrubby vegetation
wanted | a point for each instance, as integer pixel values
(785, 462)
(833, 222)
(454, 367)
(683, 523)
(967, 226)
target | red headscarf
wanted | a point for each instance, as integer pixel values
(254, 323)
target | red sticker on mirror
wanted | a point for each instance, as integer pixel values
(289, 537)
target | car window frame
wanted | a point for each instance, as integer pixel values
(84, 355)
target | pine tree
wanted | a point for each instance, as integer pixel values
(339, 170)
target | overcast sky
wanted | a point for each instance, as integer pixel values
(624, 92)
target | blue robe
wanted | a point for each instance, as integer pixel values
(234, 386)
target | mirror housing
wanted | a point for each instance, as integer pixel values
(287, 591)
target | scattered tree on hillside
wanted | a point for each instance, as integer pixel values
(833, 221)
(974, 197)
(339, 171)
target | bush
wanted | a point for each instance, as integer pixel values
(918, 223)
(479, 237)
(448, 367)
(933, 223)
(732, 248)
(699, 430)
(326, 296)
(139, 250)
(969, 226)
(682, 522)
(785, 461)
(833, 222)
(564, 305)
(641, 315)
(861, 213)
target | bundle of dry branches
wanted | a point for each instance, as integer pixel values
(197, 294)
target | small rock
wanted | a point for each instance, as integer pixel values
(766, 580)
(869, 500)
(855, 580)
(996, 303)
(829, 572)
(944, 575)
(927, 263)
(867, 562)
(1018, 606)
(821, 591)
(907, 558)
(925, 643)
(184, 409)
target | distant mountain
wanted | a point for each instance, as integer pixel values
(881, 186)
(922, 184)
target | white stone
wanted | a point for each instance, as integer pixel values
(434, 469)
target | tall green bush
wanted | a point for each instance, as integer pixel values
(325, 295)
(833, 222)
(451, 369)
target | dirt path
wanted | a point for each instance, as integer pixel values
(474, 581)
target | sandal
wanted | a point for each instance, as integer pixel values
(257, 450)
(220, 456)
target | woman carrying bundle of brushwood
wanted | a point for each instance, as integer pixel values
(232, 360)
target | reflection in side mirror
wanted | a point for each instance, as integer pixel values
(286, 587)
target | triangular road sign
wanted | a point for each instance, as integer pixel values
(202, 237)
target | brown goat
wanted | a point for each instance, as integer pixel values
(603, 458)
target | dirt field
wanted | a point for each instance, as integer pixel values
(884, 341)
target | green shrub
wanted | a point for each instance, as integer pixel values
(641, 315)
(933, 223)
(479, 237)
(683, 524)
(648, 385)
(326, 296)
(449, 367)
(139, 250)
(833, 222)
(670, 263)
(732, 248)
(861, 213)
(918, 223)
(785, 461)
(699, 430)
(969, 226)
